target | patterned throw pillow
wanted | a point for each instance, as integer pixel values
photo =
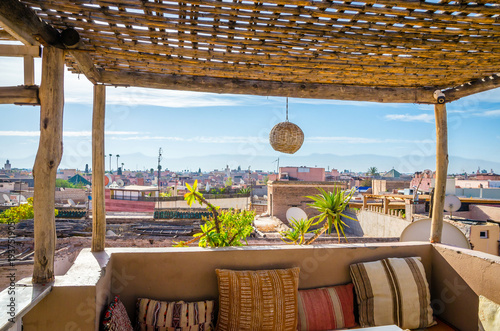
(116, 318)
(326, 308)
(393, 291)
(155, 315)
(258, 300)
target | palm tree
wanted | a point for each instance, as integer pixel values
(331, 206)
(373, 171)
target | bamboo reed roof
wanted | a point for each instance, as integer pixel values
(376, 43)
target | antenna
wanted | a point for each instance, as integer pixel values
(160, 151)
(277, 165)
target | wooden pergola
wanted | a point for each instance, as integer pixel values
(399, 51)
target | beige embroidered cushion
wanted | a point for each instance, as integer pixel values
(258, 300)
(393, 291)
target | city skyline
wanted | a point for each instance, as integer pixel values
(201, 125)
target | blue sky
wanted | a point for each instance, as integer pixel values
(199, 124)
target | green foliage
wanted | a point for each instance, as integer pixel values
(165, 194)
(235, 227)
(66, 184)
(367, 182)
(245, 190)
(228, 182)
(223, 228)
(331, 206)
(296, 234)
(18, 213)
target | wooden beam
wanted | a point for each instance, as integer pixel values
(98, 204)
(441, 172)
(476, 86)
(23, 23)
(19, 95)
(269, 88)
(20, 50)
(86, 65)
(46, 163)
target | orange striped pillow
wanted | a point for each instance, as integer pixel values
(326, 308)
(258, 300)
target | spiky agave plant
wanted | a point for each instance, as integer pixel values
(331, 206)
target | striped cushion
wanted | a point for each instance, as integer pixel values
(174, 316)
(258, 300)
(393, 291)
(326, 308)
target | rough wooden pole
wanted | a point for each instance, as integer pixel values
(365, 202)
(98, 203)
(441, 172)
(47, 160)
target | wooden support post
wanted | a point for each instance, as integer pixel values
(47, 160)
(386, 206)
(98, 203)
(365, 202)
(441, 172)
(29, 70)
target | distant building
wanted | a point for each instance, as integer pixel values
(77, 180)
(392, 174)
(302, 174)
(282, 195)
(7, 166)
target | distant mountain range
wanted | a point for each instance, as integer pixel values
(356, 163)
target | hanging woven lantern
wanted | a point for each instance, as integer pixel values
(286, 137)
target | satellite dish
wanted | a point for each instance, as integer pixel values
(295, 213)
(452, 203)
(71, 203)
(22, 198)
(420, 231)
(120, 183)
(6, 198)
(107, 180)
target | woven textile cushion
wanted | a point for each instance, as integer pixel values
(116, 318)
(392, 291)
(489, 314)
(155, 315)
(258, 300)
(326, 308)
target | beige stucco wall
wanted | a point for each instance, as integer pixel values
(485, 213)
(487, 245)
(459, 276)
(376, 224)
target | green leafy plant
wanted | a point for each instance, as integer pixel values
(223, 228)
(245, 190)
(330, 206)
(21, 212)
(299, 228)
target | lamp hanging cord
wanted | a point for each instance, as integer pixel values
(287, 109)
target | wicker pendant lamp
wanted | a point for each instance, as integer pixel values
(286, 137)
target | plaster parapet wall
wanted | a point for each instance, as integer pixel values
(459, 276)
(456, 277)
(485, 213)
(375, 224)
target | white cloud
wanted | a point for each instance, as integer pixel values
(362, 140)
(427, 118)
(65, 133)
(200, 139)
(490, 113)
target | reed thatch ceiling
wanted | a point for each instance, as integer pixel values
(372, 43)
